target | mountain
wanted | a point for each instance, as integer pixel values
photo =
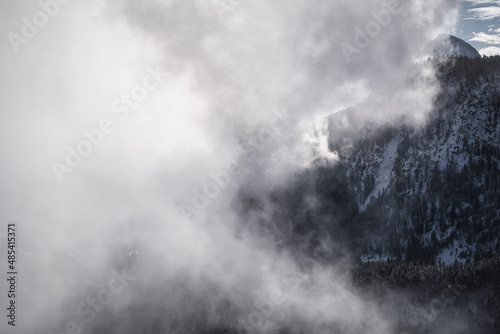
(448, 45)
(402, 201)
(411, 212)
(428, 192)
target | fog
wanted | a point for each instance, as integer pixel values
(234, 98)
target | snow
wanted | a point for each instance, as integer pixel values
(373, 257)
(448, 45)
(452, 252)
(385, 170)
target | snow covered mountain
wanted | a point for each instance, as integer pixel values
(417, 195)
(432, 192)
(427, 192)
(448, 45)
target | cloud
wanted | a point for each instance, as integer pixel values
(484, 13)
(490, 51)
(226, 81)
(485, 38)
(482, 2)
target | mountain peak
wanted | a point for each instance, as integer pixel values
(449, 45)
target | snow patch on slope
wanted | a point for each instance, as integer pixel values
(385, 171)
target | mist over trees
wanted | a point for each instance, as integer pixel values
(438, 204)
(441, 194)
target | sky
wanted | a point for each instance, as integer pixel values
(136, 125)
(479, 25)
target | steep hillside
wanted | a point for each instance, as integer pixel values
(433, 191)
(428, 192)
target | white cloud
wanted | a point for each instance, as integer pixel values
(226, 80)
(482, 2)
(490, 51)
(485, 38)
(484, 13)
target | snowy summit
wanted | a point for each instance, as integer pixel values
(448, 45)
